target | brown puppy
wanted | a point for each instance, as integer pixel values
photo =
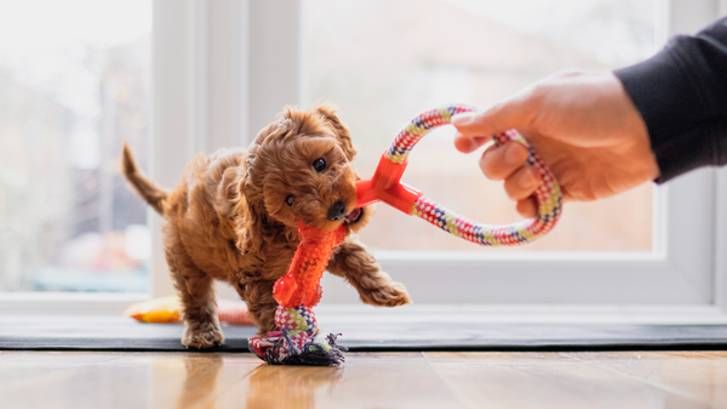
(233, 218)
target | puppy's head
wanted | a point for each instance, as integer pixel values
(299, 171)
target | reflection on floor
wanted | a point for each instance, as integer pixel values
(394, 380)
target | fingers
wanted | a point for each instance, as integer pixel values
(500, 162)
(508, 162)
(527, 207)
(467, 144)
(522, 184)
(476, 128)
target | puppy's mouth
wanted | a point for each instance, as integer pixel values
(354, 217)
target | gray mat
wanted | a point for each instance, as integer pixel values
(121, 334)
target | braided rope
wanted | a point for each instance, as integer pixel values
(547, 196)
(296, 340)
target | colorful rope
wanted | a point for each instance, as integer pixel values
(296, 340)
(547, 196)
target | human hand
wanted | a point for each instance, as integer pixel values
(583, 126)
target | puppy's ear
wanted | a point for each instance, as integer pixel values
(328, 113)
(248, 219)
(272, 131)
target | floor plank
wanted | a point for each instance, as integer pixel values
(700, 376)
(656, 380)
(554, 380)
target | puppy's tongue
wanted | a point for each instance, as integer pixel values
(354, 216)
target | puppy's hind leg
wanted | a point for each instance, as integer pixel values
(201, 323)
(360, 269)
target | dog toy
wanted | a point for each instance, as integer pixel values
(385, 186)
(296, 339)
(166, 310)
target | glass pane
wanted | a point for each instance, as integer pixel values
(382, 62)
(74, 84)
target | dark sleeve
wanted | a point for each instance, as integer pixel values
(681, 93)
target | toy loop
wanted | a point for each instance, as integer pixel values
(386, 186)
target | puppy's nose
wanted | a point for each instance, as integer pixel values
(337, 210)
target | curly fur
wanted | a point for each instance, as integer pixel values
(229, 219)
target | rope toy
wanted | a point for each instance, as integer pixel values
(385, 186)
(296, 338)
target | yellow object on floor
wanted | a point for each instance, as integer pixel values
(166, 310)
(158, 310)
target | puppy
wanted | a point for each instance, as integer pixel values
(233, 218)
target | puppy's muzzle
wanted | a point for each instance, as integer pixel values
(336, 211)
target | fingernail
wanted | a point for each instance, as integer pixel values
(513, 154)
(464, 118)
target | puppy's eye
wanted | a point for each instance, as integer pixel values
(319, 165)
(289, 200)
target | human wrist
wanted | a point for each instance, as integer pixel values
(637, 130)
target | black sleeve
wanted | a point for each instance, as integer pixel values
(681, 93)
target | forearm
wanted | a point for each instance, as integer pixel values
(682, 95)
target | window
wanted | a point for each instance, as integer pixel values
(427, 53)
(383, 62)
(74, 84)
(221, 70)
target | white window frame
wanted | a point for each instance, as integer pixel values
(221, 71)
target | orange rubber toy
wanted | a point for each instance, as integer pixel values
(301, 285)
(296, 339)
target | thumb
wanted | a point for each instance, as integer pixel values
(476, 128)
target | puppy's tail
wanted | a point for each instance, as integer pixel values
(148, 190)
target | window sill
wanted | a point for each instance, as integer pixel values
(28, 304)
(66, 303)
(529, 313)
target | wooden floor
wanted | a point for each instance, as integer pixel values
(619, 380)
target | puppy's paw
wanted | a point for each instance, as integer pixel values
(202, 336)
(390, 295)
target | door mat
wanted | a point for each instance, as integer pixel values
(123, 334)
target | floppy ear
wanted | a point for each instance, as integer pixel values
(328, 113)
(248, 216)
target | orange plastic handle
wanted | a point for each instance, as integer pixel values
(387, 187)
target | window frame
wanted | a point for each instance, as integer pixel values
(225, 72)
(683, 270)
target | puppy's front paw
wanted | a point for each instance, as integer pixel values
(390, 295)
(202, 337)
